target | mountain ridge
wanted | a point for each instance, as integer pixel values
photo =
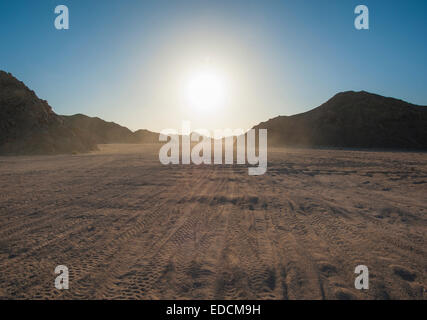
(354, 120)
(28, 125)
(350, 119)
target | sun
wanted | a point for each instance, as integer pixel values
(206, 90)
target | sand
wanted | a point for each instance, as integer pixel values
(128, 227)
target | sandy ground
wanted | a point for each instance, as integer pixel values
(129, 228)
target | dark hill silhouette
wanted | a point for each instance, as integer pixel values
(146, 136)
(28, 125)
(355, 120)
(349, 119)
(103, 132)
(99, 130)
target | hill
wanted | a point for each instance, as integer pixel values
(28, 124)
(355, 120)
(103, 132)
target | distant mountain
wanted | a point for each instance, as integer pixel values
(349, 119)
(28, 125)
(99, 130)
(103, 132)
(353, 119)
(146, 136)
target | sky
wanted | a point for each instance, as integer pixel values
(131, 62)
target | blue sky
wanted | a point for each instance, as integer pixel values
(123, 60)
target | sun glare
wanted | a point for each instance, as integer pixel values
(206, 90)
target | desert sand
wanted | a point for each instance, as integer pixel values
(128, 227)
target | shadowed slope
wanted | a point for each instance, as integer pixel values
(104, 132)
(29, 126)
(353, 119)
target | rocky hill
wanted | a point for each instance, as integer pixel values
(29, 126)
(355, 120)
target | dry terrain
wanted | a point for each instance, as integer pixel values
(129, 228)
